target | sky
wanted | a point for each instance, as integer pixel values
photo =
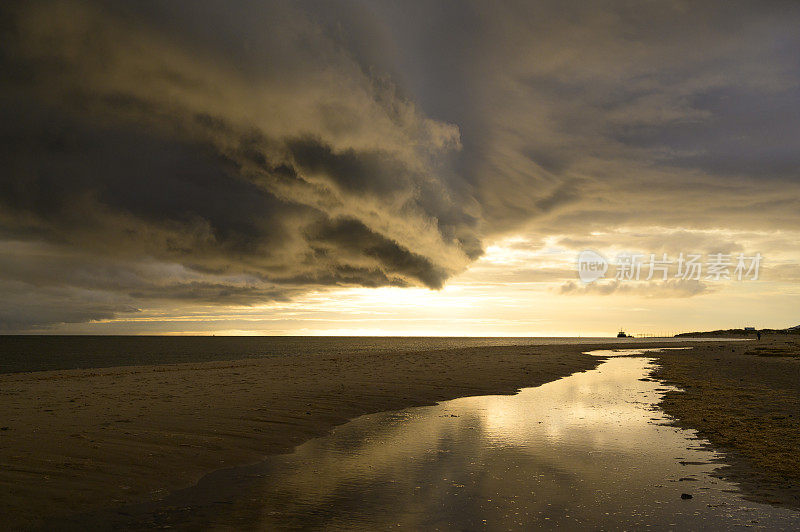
(353, 167)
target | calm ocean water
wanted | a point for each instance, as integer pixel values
(42, 353)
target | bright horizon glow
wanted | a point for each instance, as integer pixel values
(515, 290)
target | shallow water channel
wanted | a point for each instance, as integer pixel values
(591, 450)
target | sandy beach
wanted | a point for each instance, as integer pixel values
(79, 440)
(76, 441)
(745, 399)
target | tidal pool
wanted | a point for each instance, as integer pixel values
(590, 450)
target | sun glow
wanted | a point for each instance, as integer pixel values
(522, 286)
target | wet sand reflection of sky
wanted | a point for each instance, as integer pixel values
(588, 450)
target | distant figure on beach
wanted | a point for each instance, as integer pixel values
(758, 335)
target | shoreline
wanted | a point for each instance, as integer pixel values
(83, 440)
(36, 353)
(744, 400)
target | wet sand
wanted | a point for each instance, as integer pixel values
(79, 440)
(587, 451)
(745, 399)
(76, 441)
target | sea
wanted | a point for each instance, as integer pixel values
(25, 353)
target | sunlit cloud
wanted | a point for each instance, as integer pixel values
(339, 168)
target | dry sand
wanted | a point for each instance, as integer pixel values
(745, 399)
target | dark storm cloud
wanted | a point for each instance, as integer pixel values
(663, 113)
(125, 145)
(238, 153)
(25, 306)
(352, 236)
